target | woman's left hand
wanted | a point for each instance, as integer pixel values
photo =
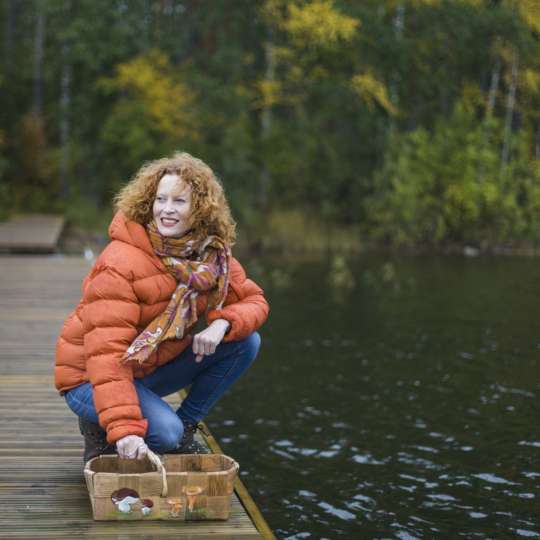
(205, 342)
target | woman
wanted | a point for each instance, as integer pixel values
(128, 342)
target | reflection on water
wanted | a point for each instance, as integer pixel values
(393, 398)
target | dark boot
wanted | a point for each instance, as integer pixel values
(95, 440)
(188, 444)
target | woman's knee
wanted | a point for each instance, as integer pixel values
(165, 433)
(80, 400)
(251, 345)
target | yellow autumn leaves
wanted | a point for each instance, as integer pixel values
(313, 26)
(151, 83)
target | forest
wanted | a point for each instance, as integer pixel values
(340, 123)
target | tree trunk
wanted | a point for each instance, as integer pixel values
(266, 123)
(65, 124)
(490, 107)
(537, 145)
(493, 87)
(6, 111)
(147, 38)
(9, 30)
(37, 77)
(510, 104)
(398, 22)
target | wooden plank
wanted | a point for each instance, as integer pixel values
(42, 488)
(31, 233)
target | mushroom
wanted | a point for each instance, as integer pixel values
(191, 494)
(147, 505)
(123, 498)
(176, 506)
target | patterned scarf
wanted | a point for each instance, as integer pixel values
(197, 266)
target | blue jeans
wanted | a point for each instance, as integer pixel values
(209, 380)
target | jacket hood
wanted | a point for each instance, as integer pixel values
(130, 232)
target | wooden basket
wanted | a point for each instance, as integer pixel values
(182, 487)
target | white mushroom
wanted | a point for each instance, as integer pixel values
(124, 498)
(125, 504)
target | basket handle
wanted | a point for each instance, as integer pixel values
(154, 459)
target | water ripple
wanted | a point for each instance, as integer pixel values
(477, 515)
(368, 459)
(494, 479)
(338, 512)
(526, 533)
(536, 444)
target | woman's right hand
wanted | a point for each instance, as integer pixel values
(131, 447)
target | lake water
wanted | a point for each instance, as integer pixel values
(393, 397)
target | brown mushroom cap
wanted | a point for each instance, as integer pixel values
(122, 493)
(192, 490)
(149, 503)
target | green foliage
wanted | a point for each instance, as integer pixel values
(33, 171)
(84, 215)
(152, 114)
(330, 116)
(447, 185)
(297, 230)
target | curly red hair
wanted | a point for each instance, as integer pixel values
(210, 212)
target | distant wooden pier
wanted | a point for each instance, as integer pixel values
(30, 233)
(42, 489)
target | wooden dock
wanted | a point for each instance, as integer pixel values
(42, 489)
(36, 233)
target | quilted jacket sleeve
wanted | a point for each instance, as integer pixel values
(245, 307)
(110, 316)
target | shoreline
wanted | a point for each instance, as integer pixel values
(77, 241)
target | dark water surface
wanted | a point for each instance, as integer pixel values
(405, 406)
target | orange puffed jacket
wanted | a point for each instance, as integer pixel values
(125, 290)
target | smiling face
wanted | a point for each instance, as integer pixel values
(172, 206)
